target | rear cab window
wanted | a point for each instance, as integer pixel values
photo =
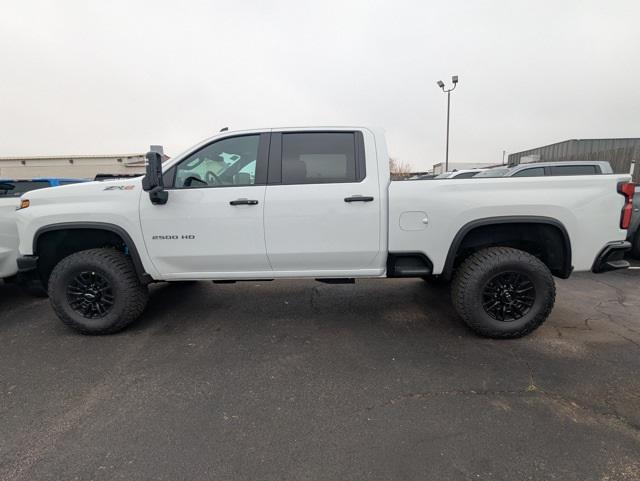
(316, 158)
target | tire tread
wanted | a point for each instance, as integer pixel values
(116, 262)
(465, 280)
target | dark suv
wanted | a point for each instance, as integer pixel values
(17, 187)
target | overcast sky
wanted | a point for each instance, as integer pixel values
(114, 76)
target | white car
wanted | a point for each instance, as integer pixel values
(317, 202)
(460, 174)
(544, 169)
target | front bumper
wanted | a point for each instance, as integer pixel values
(611, 257)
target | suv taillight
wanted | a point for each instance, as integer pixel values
(627, 189)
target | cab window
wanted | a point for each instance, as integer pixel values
(318, 157)
(227, 162)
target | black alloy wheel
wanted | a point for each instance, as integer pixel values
(90, 294)
(508, 296)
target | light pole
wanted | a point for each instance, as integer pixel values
(454, 79)
(504, 152)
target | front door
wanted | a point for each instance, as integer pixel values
(212, 224)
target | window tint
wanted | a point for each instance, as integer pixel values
(318, 157)
(533, 172)
(227, 162)
(10, 188)
(574, 170)
(68, 182)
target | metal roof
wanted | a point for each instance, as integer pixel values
(66, 157)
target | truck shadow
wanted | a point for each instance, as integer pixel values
(12, 296)
(398, 305)
(16, 306)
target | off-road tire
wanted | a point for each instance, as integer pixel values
(129, 294)
(477, 271)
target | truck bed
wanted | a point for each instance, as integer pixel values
(427, 216)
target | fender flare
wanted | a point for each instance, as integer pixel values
(119, 231)
(567, 268)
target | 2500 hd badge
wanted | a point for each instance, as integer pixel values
(174, 237)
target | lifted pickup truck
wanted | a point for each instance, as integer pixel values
(318, 203)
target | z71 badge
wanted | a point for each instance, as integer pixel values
(120, 187)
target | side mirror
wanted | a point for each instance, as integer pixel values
(152, 182)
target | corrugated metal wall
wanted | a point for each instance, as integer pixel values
(74, 166)
(618, 152)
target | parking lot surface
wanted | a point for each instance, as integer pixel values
(305, 381)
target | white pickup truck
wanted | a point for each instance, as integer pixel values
(317, 202)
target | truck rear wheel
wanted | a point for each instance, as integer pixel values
(502, 293)
(97, 291)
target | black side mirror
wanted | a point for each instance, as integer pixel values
(152, 182)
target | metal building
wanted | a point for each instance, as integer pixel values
(620, 153)
(79, 166)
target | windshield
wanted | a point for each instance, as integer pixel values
(493, 173)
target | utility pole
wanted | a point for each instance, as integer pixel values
(440, 83)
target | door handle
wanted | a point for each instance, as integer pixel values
(358, 198)
(243, 202)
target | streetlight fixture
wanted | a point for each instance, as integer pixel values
(440, 83)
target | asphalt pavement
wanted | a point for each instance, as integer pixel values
(297, 380)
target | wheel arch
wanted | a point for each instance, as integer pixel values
(560, 268)
(94, 227)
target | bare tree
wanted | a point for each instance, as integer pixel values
(399, 168)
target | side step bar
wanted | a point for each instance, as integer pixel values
(337, 280)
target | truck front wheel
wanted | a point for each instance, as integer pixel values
(501, 292)
(97, 291)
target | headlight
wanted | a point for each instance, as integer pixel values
(24, 203)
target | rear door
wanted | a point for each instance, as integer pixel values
(322, 205)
